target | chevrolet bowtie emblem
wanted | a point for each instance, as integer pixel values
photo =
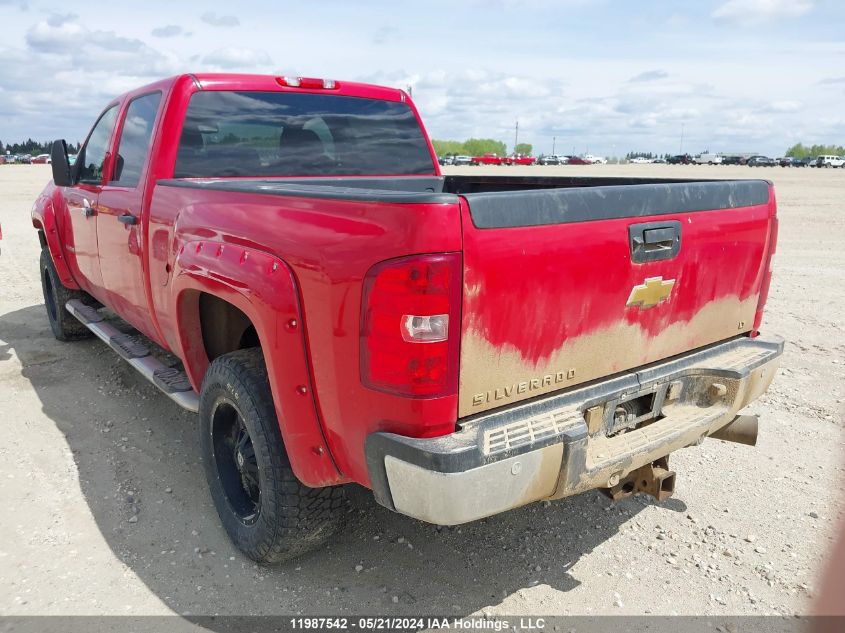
(651, 292)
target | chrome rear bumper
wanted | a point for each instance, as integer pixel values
(560, 445)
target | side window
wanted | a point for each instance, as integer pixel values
(134, 144)
(93, 154)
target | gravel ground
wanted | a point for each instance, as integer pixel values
(106, 509)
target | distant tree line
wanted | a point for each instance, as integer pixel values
(799, 150)
(33, 147)
(477, 147)
(648, 155)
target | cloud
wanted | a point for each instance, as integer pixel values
(649, 75)
(235, 57)
(832, 80)
(63, 34)
(750, 12)
(783, 106)
(219, 20)
(57, 19)
(104, 51)
(169, 30)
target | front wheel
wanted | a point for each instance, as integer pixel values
(267, 512)
(64, 325)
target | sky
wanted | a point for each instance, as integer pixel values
(599, 76)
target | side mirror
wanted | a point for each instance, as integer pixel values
(61, 166)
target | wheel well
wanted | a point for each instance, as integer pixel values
(224, 327)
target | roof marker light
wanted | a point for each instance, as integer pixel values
(307, 82)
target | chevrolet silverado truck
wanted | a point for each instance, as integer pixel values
(281, 256)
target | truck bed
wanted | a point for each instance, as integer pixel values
(551, 276)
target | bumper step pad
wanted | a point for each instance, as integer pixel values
(130, 346)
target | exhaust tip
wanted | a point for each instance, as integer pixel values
(742, 430)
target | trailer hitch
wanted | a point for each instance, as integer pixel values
(654, 479)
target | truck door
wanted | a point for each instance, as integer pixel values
(120, 227)
(79, 216)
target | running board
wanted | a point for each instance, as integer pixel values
(170, 380)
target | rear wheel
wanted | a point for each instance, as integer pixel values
(63, 324)
(267, 512)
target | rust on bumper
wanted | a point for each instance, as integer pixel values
(595, 436)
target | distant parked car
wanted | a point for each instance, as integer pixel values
(708, 159)
(41, 159)
(488, 159)
(761, 161)
(786, 161)
(802, 162)
(446, 160)
(830, 161)
(551, 159)
(659, 161)
(732, 160)
(519, 159)
(679, 159)
(595, 160)
(576, 160)
(462, 160)
(26, 159)
(640, 160)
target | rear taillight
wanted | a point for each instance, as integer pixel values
(410, 326)
(767, 276)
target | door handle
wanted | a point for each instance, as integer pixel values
(127, 219)
(653, 241)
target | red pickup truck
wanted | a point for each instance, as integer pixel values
(488, 159)
(520, 159)
(295, 269)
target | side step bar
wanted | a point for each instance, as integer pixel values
(170, 380)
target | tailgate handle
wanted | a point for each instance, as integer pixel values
(654, 241)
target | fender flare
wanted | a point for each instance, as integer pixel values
(44, 219)
(264, 288)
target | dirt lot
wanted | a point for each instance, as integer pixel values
(105, 508)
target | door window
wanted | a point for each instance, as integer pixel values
(134, 144)
(93, 154)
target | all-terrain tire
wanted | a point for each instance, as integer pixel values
(288, 518)
(64, 325)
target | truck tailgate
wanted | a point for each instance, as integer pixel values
(564, 286)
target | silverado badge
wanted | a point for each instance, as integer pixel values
(651, 292)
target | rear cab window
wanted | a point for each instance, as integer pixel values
(228, 133)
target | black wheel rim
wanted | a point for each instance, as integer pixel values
(49, 296)
(236, 463)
